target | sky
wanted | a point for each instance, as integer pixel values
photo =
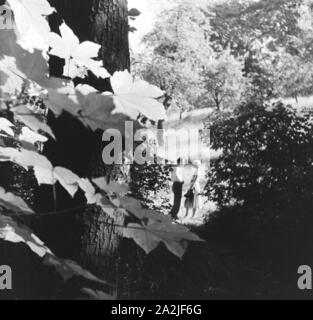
(143, 23)
(149, 10)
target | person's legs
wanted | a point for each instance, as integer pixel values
(187, 212)
(195, 205)
(179, 196)
(177, 189)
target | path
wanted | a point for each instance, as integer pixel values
(192, 120)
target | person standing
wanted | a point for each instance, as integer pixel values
(177, 180)
(193, 195)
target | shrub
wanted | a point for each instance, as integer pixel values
(267, 157)
(150, 184)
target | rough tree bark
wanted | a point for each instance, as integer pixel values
(104, 22)
(110, 29)
(101, 239)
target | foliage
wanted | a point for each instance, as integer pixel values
(178, 51)
(215, 52)
(256, 31)
(78, 56)
(305, 24)
(225, 83)
(292, 76)
(236, 23)
(150, 184)
(291, 66)
(24, 69)
(267, 157)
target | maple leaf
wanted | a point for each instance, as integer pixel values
(106, 205)
(172, 232)
(135, 208)
(31, 24)
(18, 67)
(6, 126)
(92, 108)
(155, 228)
(136, 97)
(90, 191)
(31, 137)
(61, 96)
(97, 110)
(76, 54)
(13, 232)
(148, 237)
(145, 240)
(29, 159)
(13, 202)
(11, 80)
(30, 119)
(67, 179)
(113, 186)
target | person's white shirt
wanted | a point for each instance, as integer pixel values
(177, 175)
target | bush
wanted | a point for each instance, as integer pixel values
(150, 184)
(263, 184)
(267, 157)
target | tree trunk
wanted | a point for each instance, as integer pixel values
(104, 22)
(110, 29)
(101, 239)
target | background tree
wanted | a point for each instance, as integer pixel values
(178, 51)
(256, 31)
(225, 83)
(194, 48)
(292, 76)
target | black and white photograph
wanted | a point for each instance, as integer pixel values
(156, 155)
